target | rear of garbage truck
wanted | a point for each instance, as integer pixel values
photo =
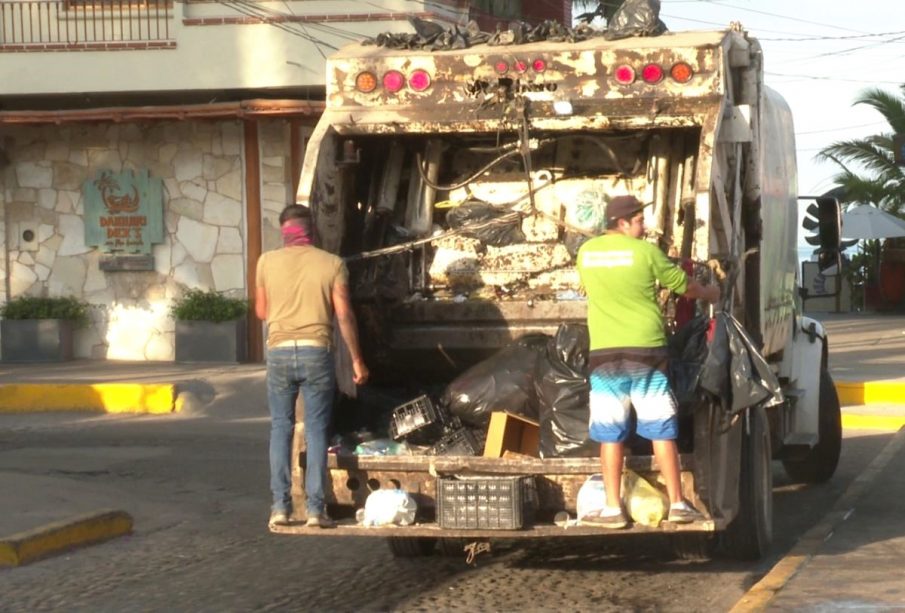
(458, 185)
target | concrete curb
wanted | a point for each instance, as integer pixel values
(888, 423)
(26, 547)
(102, 397)
(869, 392)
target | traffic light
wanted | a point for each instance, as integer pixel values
(824, 220)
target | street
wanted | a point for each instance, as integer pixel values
(196, 484)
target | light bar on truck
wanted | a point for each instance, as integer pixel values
(393, 81)
(652, 73)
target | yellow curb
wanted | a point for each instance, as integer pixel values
(103, 397)
(26, 547)
(761, 594)
(870, 392)
(852, 421)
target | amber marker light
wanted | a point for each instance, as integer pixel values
(624, 74)
(366, 82)
(681, 73)
(652, 73)
(419, 80)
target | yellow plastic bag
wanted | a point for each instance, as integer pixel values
(646, 504)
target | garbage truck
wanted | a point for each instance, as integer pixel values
(522, 143)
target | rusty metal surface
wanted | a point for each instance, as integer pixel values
(539, 530)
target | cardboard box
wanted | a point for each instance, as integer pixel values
(508, 432)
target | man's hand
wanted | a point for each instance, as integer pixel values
(360, 371)
(696, 291)
(713, 293)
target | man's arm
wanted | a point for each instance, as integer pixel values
(696, 291)
(261, 303)
(348, 328)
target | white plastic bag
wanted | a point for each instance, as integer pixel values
(591, 497)
(385, 507)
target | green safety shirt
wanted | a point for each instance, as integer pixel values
(619, 274)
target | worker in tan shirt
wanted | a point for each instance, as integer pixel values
(299, 290)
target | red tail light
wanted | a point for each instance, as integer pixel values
(539, 65)
(652, 73)
(521, 66)
(501, 67)
(393, 81)
(419, 80)
(624, 74)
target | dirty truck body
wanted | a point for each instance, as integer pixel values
(534, 128)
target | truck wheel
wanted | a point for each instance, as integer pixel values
(749, 535)
(695, 546)
(820, 462)
(411, 546)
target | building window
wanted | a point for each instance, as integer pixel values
(504, 9)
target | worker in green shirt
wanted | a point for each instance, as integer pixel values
(628, 359)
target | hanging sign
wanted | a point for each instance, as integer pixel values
(123, 212)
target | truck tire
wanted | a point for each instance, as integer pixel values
(819, 464)
(411, 546)
(749, 535)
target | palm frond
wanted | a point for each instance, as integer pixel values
(887, 104)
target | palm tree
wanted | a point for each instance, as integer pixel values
(869, 173)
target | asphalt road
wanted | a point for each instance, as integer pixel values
(196, 485)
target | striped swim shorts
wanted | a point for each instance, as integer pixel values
(625, 378)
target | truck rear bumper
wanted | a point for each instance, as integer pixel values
(538, 530)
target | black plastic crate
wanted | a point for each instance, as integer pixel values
(417, 421)
(486, 503)
(459, 441)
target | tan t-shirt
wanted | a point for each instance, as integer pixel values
(299, 282)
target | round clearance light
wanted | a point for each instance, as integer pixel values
(681, 72)
(419, 80)
(539, 65)
(652, 73)
(393, 81)
(366, 82)
(501, 67)
(521, 66)
(624, 74)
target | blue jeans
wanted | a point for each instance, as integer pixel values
(291, 370)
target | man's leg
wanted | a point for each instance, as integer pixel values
(317, 387)
(611, 464)
(667, 454)
(282, 391)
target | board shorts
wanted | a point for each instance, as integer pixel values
(631, 377)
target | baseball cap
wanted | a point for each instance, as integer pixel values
(623, 207)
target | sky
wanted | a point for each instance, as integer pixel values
(819, 55)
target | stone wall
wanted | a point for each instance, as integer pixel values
(202, 168)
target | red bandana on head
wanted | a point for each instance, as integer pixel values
(295, 233)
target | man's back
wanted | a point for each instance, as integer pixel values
(619, 274)
(298, 282)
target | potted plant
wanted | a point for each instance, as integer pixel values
(40, 328)
(210, 327)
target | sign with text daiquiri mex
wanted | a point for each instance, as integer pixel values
(123, 211)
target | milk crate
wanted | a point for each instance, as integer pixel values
(459, 441)
(486, 503)
(417, 421)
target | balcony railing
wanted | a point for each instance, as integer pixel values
(49, 25)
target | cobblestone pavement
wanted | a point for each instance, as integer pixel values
(196, 485)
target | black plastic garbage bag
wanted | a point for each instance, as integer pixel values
(635, 18)
(502, 382)
(506, 232)
(688, 350)
(735, 372)
(563, 395)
